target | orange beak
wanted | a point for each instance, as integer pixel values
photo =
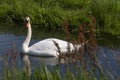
(27, 24)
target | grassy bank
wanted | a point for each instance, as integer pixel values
(51, 13)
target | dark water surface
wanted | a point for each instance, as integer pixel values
(13, 34)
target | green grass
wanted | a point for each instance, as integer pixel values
(107, 14)
(50, 14)
(43, 73)
(46, 12)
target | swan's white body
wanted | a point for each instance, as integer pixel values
(45, 47)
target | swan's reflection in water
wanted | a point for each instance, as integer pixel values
(45, 60)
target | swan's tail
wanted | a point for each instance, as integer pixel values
(81, 45)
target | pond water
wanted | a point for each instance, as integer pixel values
(13, 34)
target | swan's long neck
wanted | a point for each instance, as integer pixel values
(29, 34)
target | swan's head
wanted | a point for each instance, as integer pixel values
(27, 19)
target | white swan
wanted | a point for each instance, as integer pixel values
(44, 47)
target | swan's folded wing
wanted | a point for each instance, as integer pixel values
(48, 48)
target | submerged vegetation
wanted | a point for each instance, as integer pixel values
(51, 13)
